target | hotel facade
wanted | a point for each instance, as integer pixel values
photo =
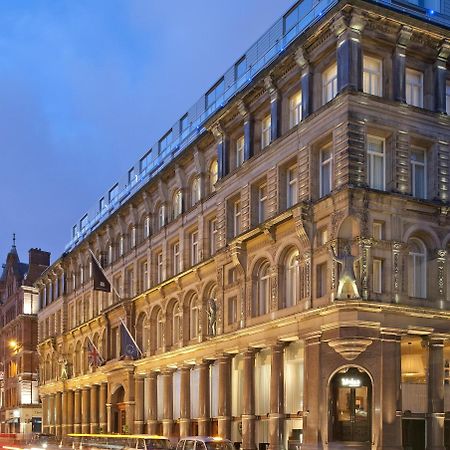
(280, 255)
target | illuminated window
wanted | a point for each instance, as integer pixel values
(414, 87)
(213, 175)
(147, 227)
(177, 204)
(194, 313)
(329, 83)
(195, 191)
(240, 151)
(266, 126)
(295, 109)
(292, 279)
(376, 162)
(176, 322)
(161, 216)
(372, 75)
(325, 171)
(261, 304)
(378, 230)
(377, 275)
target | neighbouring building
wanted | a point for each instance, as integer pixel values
(20, 407)
(280, 255)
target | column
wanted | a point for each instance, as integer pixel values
(139, 404)
(167, 402)
(440, 77)
(51, 416)
(77, 411)
(85, 410)
(275, 107)
(306, 82)
(248, 409)
(152, 421)
(224, 420)
(102, 414)
(64, 412)
(399, 65)
(94, 409)
(45, 415)
(58, 413)
(185, 401)
(70, 412)
(276, 416)
(204, 399)
(391, 396)
(435, 416)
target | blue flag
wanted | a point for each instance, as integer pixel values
(128, 345)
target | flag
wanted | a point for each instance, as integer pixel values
(94, 357)
(128, 345)
(101, 283)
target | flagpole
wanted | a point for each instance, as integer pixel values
(104, 274)
(131, 336)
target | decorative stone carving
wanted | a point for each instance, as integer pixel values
(347, 287)
(349, 348)
(212, 317)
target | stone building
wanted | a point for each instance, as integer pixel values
(280, 255)
(20, 408)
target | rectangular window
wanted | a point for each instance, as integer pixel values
(212, 236)
(414, 88)
(101, 204)
(74, 231)
(240, 68)
(113, 192)
(372, 76)
(159, 268)
(291, 186)
(84, 222)
(144, 161)
(266, 126)
(194, 248)
(376, 162)
(377, 275)
(236, 217)
(129, 282)
(215, 93)
(262, 202)
(447, 97)
(232, 310)
(291, 19)
(321, 276)
(131, 176)
(295, 109)
(378, 230)
(329, 83)
(325, 171)
(144, 276)
(176, 259)
(240, 151)
(165, 141)
(115, 347)
(419, 172)
(184, 123)
(322, 236)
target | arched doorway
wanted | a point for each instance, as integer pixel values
(118, 411)
(350, 396)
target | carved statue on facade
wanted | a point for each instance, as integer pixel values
(212, 317)
(347, 287)
(64, 365)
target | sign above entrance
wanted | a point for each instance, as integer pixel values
(351, 382)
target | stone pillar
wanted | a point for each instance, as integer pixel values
(58, 413)
(223, 157)
(77, 412)
(85, 419)
(94, 409)
(167, 402)
(70, 412)
(224, 420)
(139, 404)
(399, 65)
(440, 78)
(248, 410)
(276, 416)
(51, 416)
(45, 415)
(64, 413)
(435, 416)
(152, 421)
(306, 82)
(102, 414)
(185, 401)
(391, 395)
(275, 108)
(203, 399)
(109, 418)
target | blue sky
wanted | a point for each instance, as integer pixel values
(87, 86)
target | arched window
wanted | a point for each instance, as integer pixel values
(193, 319)
(291, 281)
(161, 216)
(177, 204)
(176, 323)
(195, 191)
(261, 303)
(213, 175)
(159, 329)
(417, 269)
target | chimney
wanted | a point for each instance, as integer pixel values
(38, 257)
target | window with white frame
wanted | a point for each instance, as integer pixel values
(110, 254)
(322, 236)
(145, 285)
(372, 75)
(194, 314)
(159, 329)
(292, 278)
(195, 191)
(232, 310)
(213, 175)
(176, 258)
(240, 143)
(378, 230)
(295, 109)
(291, 186)
(326, 161)
(121, 245)
(236, 217)
(133, 237)
(194, 248)
(377, 276)
(419, 172)
(329, 83)
(414, 87)
(266, 126)
(161, 216)
(376, 162)
(261, 303)
(212, 236)
(177, 204)
(447, 97)
(321, 277)
(417, 269)
(262, 202)
(176, 322)
(159, 268)
(147, 227)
